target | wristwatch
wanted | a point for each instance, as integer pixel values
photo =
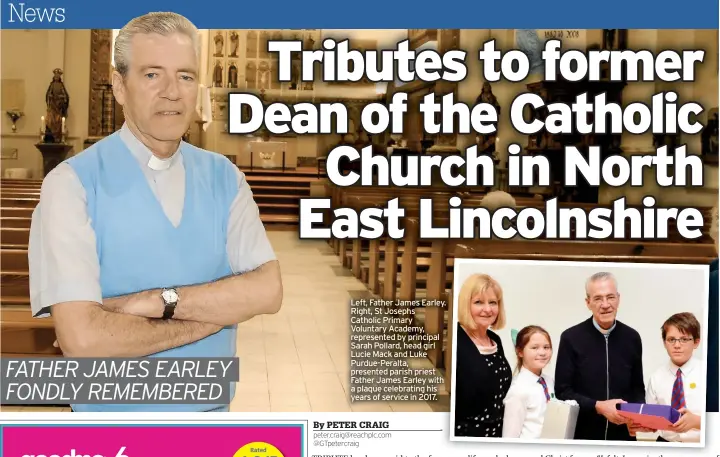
(170, 298)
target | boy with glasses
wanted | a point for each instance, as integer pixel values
(680, 382)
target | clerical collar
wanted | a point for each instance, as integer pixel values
(143, 154)
(602, 330)
(158, 164)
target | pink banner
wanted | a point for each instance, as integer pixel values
(153, 441)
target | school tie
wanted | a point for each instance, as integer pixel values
(545, 388)
(678, 392)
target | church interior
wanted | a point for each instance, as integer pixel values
(298, 359)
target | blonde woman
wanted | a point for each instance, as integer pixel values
(483, 375)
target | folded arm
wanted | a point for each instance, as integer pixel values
(65, 282)
(227, 301)
(85, 329)
(128, 326)
(254, 288)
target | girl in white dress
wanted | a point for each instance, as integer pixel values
(531, 390)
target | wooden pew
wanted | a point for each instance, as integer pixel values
(20, 183)
(374, 197)
(25, 336)
(18, 202)
(408, 200)
(386, 247)
(14, 236)
(16, 212)
(15, 222)
(21, 335)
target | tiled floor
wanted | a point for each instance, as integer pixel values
(298, 359)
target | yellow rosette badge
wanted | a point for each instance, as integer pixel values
(258, 449)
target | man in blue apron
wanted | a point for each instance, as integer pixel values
(144, 245)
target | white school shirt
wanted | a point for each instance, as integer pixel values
(660, 387)
(525, 405)
(62, 253)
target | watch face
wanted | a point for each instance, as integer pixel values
(170, 296)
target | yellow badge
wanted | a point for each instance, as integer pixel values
(692, 385)
(258, 449)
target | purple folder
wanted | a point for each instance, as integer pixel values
(656, 417)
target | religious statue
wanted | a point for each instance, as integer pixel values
(264, 73)
(486, 142)
(264, 79)
(487, 96)
(217, 75)
(58, 102)
(710, 134)
(232, 76)
(234, 43)
(219, 42)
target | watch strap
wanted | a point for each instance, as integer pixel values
(169, 310)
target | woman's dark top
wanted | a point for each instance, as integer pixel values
(481, 383)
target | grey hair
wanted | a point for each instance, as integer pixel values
(601, 276)
(161, 23)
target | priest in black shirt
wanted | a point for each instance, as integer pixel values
(599, 364)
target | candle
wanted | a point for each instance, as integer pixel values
(62, 131)
(42, 123)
